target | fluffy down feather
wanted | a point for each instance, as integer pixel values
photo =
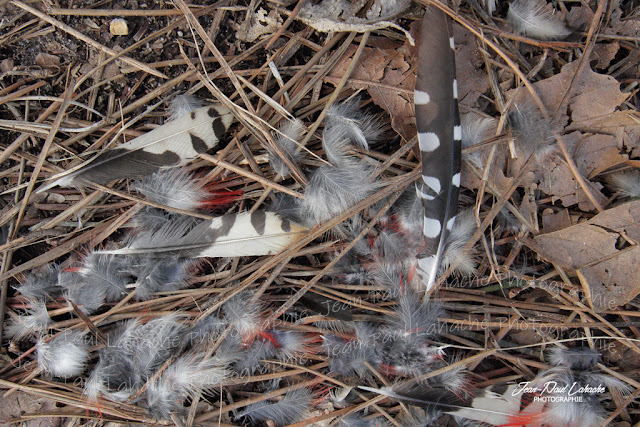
(64, 356)
(153, 275)
(288, 410)
(626, 183)
(532, 18)
(182, 105)
(243, 314)
(286, 138)
(42, 285)
(133, 352)
(33, 323)
(173, 187)
(476, 129)
(184, 378)
(350, 357)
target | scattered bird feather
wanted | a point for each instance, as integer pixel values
(350, 357)
(42, 285)
(35, 322)
(87, 298)
(244, 314)
(182, 105)
(64, 356)
(254, 233)
(133, 352)
(153, 275)
(532, 18)
(439, 133)
(454, 253)
(185, 377)
(415, 318)
(533, 133)
(626, 183)
(291, 408)
(287, 137)
(332, 190)
(173, 187)
(476, 129)
(357, 419)
(346, 124)
(173, 144)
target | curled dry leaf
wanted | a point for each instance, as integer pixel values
(385, 72)
(591, 250)
(259, 24)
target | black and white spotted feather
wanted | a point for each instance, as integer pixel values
(174, 143)
(238, 234)
(439, 135)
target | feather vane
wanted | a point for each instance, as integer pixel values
(174, 143)
(439, 135)
(240, 234)
(531, 18)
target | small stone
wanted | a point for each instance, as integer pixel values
(119, 27)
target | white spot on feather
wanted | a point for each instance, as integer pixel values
(431, 228)
(428, 141)
(422, 195)
(452, 43)
(432, 182)
(457, 133)
(455, 88)
(456, 180)
(421, 97)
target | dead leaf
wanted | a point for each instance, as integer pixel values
(258, 24)
(608, 274)
(554, 221)
(19, 404)
(557, 180)
(388, 77)
(604, 53)
(470, 74)
(46, 60)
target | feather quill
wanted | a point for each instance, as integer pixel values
(239, 234)
(533, 19)
(439, 134)
(174, 143)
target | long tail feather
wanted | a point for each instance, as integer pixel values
(241, 234)
(174, 143)
(439, 135)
